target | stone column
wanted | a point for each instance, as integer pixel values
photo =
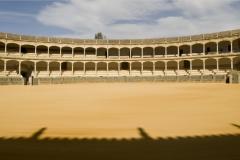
(36, 51)
(166, 68)
(204, 49)
(84, 68)
(5, 65)
(153, 52)
(60, 68)
(231, 64)
(154, 68)
(178, 66)
(35, 69)
(141, 68)
(19, 67)
(48, 51)
(20, 46)
(48, 68)
(72, 68)
(72, 52)
(130, 53)
(95, 52)
(178, 48)
(130, 68)
(217, 65)
(119, 53)
(141, 52)
(165, 52)
(204, 65)
(5, 49)
(190, 49)
(84, 52)
(119, 68)
(217, 48)
(60, 51)
(95, 68)
(191, 67)
(107, 54)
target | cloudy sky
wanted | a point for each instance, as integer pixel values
(118, 18)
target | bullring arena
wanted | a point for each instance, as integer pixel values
(202, 104)
(199, 58)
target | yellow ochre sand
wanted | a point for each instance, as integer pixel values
(116, 110)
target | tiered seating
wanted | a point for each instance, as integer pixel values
(55, 73)
(220, 72)
(113, 57)
(90, 73)
(29, 55)
(67, 55)
(78, 56)
(124, 57)
(113, 73)
(14, 54)
(3, 74)
(159, 73)
(170, 73)
(13, 74)
(67, 73)
(42, 55)
(55, 55)
(124, 73)
(135, 73)
(183, 73)
(207, 72)
(90, 56)
(195, 73)
(147, 73)
(101, 57)
(102, 73)
(42, 74)
(78, 73)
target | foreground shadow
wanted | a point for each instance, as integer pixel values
(214, 147)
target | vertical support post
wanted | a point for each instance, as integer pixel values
(5, 65)
(130, 53)
(5, 49)
(36, 51)
(141, 52)
(119, 68)
(107, 53)
(191, 67)
(72, 52)
(72, 68)
(48, 51)
(60, 68)
(165, 52)
(20, 46)
(84, 53)
(154, 68)
(19, 68)
(190, 49)
(204, 49)
(231, 64)
(48, 68)
(231, 46)
(166, 68)
(35, 69)
(84, 68)
(119, 53)
(60, 51)
(217, 65)
(217, 48)
(178, 48)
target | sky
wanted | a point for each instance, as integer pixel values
(118, 19)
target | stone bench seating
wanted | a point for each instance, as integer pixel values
(170, 73)
(136, 56)
(102, 73)
(42, 55)
(159, 73)
(183, 73)
(124, 57)
(159, 56)
(197, 54)
(101, 57)
(113, 73)
(195, 73)
(90, 73)
(78, 56)
(207, 72)
(42, 74)
(220, 72)
(55, 55)
(78, 73)
(29, 55)
(4, 73)
(67, 73)
(124, 73)
(55, 73)
(17, 54)
(113, 57)
(13, 74)
(147, 73)
(171, 55)
(90, 56)
(135, 72)
(67, 55)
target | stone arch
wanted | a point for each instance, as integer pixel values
(224, 46)
(184, 49)
(236, 45)
(12, 65)
(67, 51)
(78, 52)
(102, 52)
(197, 64)
(124, 52)
(113, 66)
(136, 66)
(197, 48)
(148, 66)
(172, 51)
(41, 66)
(210, 48)
(211, 64)
(25, 49)
(54, 50)
(54, 66)
(136, 52)
(160, 51)
(102, 66)
(160, 66)
(13, 48)
(2, 47)
(224, 63)
(236, 63)
(66, 66)
(184, 65)
(90, 66)
(148, 52)
(78, 66)
(172, 65)
(90, 52)
(113, 52)
(41, 49)
(124, 66)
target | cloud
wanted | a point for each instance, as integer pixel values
(141, 18)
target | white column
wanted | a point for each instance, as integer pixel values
(141, 68)
(20, 49)
(191, 67)
(217, 48)
(217, 65)
(36, 51)
(84, 68)
(130, 68)
(72, 52)
(190, 49)
(231, 64)
(19, 67)
(95, 52)
(35, 69)
(107, 54)
(204, 48)
(178, 66)
(72, 68)
(84, 52)
(141, 52)
(60, 51)
(165, 52)
(119, 68)
(5, 65)
(178, 51)
(6, 49)
(60, 68)
(153, 68)
(48, 67)
(166, 68)
(48, 51)
(119, 53)
(204, 65)
(153, 52)
(130, 53)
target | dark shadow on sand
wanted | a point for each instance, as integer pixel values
(214, 147)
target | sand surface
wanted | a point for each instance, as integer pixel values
(118, 109)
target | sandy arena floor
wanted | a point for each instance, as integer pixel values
(118, 109)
